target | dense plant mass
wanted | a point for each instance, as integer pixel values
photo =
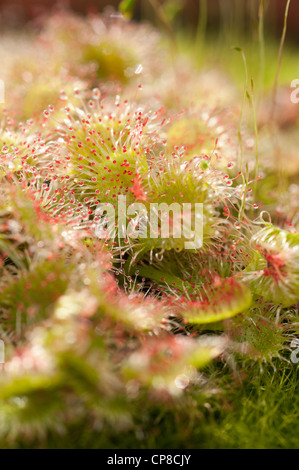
(126, 334)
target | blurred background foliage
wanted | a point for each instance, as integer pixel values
(240, 13)
(205, 28)
(264, 411)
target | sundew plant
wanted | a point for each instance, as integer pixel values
(149, 246)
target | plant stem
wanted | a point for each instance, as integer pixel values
(160, 14)
(252, 104)
(238, 49)
(201, 25)
(262, 47)
(284, 31)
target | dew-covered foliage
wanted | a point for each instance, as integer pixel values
(135, 332)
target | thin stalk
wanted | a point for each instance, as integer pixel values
(238, 49)
(201, 25)
(281, 179)
(252, 105)
(262, 47)
(284, 31)
(160, 14)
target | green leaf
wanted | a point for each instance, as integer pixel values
(223, 301)
(127, 7)
(237, 48)
(27, 385)
(163, 277)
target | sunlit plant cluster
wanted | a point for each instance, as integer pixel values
(94, 327)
